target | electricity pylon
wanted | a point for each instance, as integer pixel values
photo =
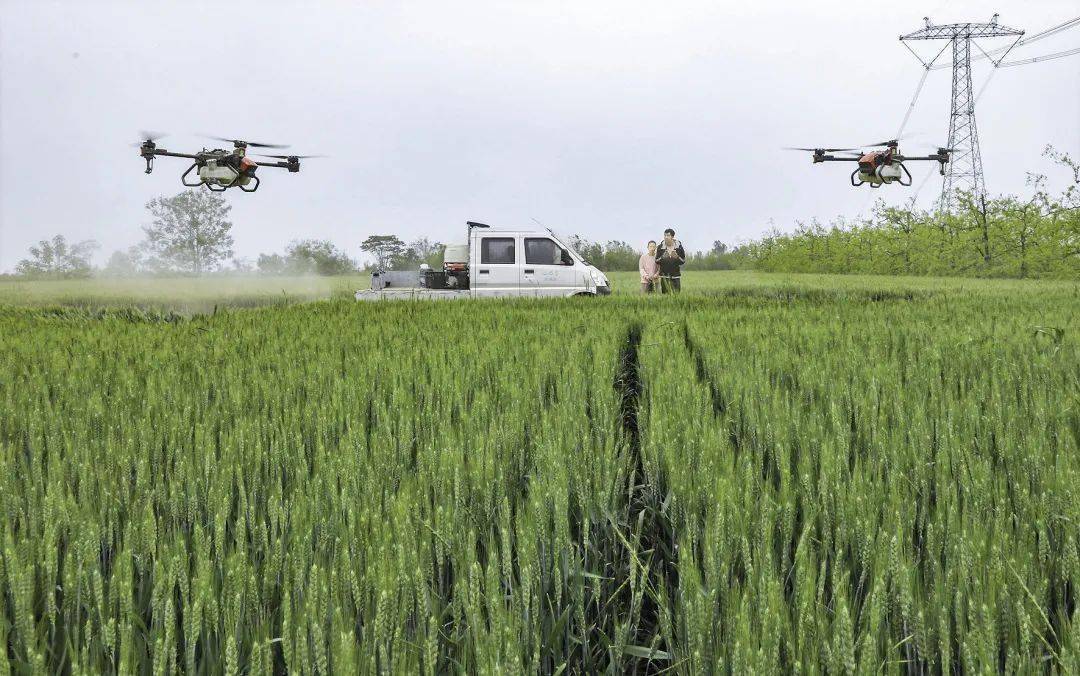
(964, 171)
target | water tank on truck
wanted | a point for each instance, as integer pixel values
(456, 265)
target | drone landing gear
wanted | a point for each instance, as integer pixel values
(875, 180)
(900, 180)
(183, 177)
(237, 184)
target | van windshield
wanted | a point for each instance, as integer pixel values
(563, 244)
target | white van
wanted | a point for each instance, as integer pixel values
(497, 263)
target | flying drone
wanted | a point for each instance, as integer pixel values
(219, 169)
(877, 167)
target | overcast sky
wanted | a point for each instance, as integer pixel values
(608, 119)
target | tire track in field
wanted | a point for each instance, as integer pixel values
(650, 538)
(635, 537)
(720, 403)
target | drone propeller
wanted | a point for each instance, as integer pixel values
(241, 143)
(905, 138)
(890, 142)
(289, 157)
(932, 147)
(824, 150)
(148, 137)
(858, 149)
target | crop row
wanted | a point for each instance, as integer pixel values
(890, 486)
(322, 486)
(760, 480)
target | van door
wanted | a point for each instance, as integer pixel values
(497, 270)
(549, 269)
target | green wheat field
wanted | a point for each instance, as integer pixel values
(765, 474)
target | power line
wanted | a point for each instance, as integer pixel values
(922, 184)
(922, 81)
(1021, 62)
(1038, 59)
(986, 83)
(1022, 42)
(911, 107)
(1066, 25)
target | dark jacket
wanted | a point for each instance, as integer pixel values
(670, 262)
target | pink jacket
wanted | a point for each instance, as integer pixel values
(648, 268)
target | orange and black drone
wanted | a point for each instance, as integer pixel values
(877, 167)
(220, 169)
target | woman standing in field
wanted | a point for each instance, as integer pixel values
(648, 268)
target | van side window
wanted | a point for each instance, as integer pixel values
(543, 251)
(496, 250)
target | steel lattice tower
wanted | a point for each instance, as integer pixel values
(964, 171)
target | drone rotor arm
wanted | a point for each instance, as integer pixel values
(148, 152)
(289, 162)
(291, 166)
(925, 158)
(161, 152)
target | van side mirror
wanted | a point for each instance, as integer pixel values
(566, 259)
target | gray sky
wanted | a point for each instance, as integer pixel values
(608, 119)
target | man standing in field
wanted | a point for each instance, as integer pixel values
(670, 257)
(648, 269)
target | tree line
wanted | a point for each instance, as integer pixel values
(616, 255)
(1007, 236)
(191, 234)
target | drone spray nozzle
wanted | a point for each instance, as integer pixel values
(943, 159)
(146, 151)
